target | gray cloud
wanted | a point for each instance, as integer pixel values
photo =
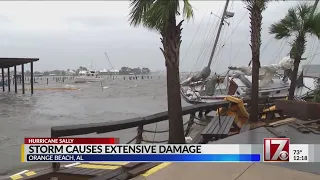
(4, 19)
(69, 40)
(96, 21)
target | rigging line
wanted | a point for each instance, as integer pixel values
(206, 49)
(212, 34)
(233, 31)
(275, 54)
(203, 43)
(193, 37)
(311, 50)
(266, 45)
(231, 22)
(219, 45)
(237, 26)
(206, 45)
(278, 56)
(220, 52)
(313, 56)
(240, 49)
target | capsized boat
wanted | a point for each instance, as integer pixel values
(88, 76)
(202, 88)
(237, 83)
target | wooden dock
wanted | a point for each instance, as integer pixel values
(91, 171)
(217, 131)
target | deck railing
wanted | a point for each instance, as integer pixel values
(194, 111)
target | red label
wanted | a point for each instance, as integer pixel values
(71, 141)
(276, 149)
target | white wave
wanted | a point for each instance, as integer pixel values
(69, 86)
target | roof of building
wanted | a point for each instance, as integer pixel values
(10, 62)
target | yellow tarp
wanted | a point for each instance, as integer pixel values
(237, 110)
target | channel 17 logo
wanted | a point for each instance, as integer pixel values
(276, 149)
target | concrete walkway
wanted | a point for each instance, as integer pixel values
(224, 171)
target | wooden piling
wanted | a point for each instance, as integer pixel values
(31, 78)
(2, 71)
(15, 79)
(22, 77)
(8, 79)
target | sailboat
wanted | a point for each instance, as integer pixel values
(236, 82)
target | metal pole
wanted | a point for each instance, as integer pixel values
(22, 77)
(15, 79)
(2, 71)
(31, 78)
(9, 79)
(218, 34)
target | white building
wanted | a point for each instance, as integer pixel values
(109, 72)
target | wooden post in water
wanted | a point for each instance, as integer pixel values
(15, 79)
(31, 78)
(8, 79)
(2, 71)
(22, 77)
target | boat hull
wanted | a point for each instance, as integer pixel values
(193, 97)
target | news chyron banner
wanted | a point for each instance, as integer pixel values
(109, 150)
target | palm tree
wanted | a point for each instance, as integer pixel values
(160, 15)
(298, 23)
(255, 8)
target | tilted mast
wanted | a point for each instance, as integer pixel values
(205, 73)
(224, 15)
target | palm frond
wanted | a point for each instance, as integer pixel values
(138, 9)
(262, 4)
(312, 25)
(286, 26)
(157, 14)
(187, 10)
(279, 30)
(157, 17)
(304, 10)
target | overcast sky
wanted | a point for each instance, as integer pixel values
(66, 35)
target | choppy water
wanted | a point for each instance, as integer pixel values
(33, 115)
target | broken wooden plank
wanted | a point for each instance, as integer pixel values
(299, 127)
(276, 133)
(281, 122)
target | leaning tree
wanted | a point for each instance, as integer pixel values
(299, 22)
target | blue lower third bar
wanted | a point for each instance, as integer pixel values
(144, 157)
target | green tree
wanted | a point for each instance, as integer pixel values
(299, 22)
(160, 15)
(255, 8)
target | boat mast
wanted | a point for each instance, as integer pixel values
(109, 60)
(218, 34)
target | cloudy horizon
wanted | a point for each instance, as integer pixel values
(69, 34)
